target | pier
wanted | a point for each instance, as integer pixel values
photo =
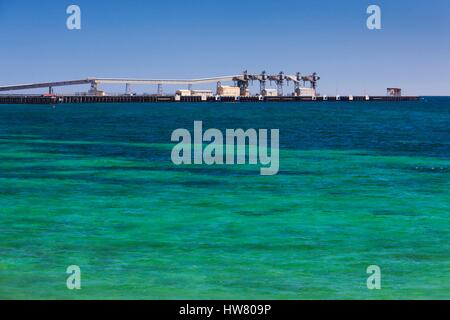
(304, 90)
(64, 99)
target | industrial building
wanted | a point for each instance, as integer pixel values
(96, 92)
(269, 93)
(203, 94)
(190, 93)
(228, 91)
(305, 92)
(394, 92)
(183, 93)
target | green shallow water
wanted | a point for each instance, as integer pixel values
(93, 185)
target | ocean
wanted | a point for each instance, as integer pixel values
(93, 185)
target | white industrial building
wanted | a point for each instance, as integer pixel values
(228, 91)
(306, 92)
(204, 94)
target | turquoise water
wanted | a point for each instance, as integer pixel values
(92, 185)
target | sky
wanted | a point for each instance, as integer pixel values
(195, 38)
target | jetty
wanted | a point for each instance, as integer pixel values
(304, 90)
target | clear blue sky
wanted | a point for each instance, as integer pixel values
(193, 38)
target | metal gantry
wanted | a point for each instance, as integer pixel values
(262, 83)
(279, 79)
